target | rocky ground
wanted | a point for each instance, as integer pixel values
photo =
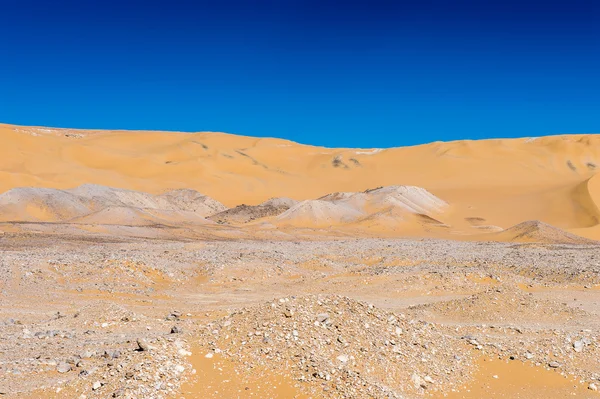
(105, 317)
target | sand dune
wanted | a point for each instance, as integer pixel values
(502, 181)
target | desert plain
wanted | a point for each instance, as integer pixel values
(142, 264)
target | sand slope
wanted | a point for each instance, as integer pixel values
(503, 182)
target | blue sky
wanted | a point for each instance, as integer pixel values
(336, 73)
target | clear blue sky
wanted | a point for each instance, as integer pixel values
(337, 73)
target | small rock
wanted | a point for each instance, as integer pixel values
(96, 385)
(176, 330)
(418, 381)
(85, 373)
(578, 346)
(343, 358)
(63, 367)
(593, 387)
(183, 352)
(112, 354)
(322, 317)
(554, 364)
(174, 315)
(208, 355)
(142, 345)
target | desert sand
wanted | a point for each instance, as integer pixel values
(499, 183)
(139, 264)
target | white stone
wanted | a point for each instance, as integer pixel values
(183, 352)
(343, 358)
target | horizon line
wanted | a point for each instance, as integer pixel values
(292, 141)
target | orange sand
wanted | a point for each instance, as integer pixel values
(501, 182)
(499, 379)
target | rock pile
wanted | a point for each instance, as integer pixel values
(342, 347)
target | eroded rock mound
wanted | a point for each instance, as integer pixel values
(193, 201)
(95, 204)
(41, 205)
(248, 213)
(389, 204)
(540, 232)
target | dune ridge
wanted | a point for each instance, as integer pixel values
(503, 182)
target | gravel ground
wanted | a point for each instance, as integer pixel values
(118, 317)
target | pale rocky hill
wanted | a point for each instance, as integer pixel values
(95, 204)
(539, 232)
(394, 204)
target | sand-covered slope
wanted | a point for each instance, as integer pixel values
(503, 182)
